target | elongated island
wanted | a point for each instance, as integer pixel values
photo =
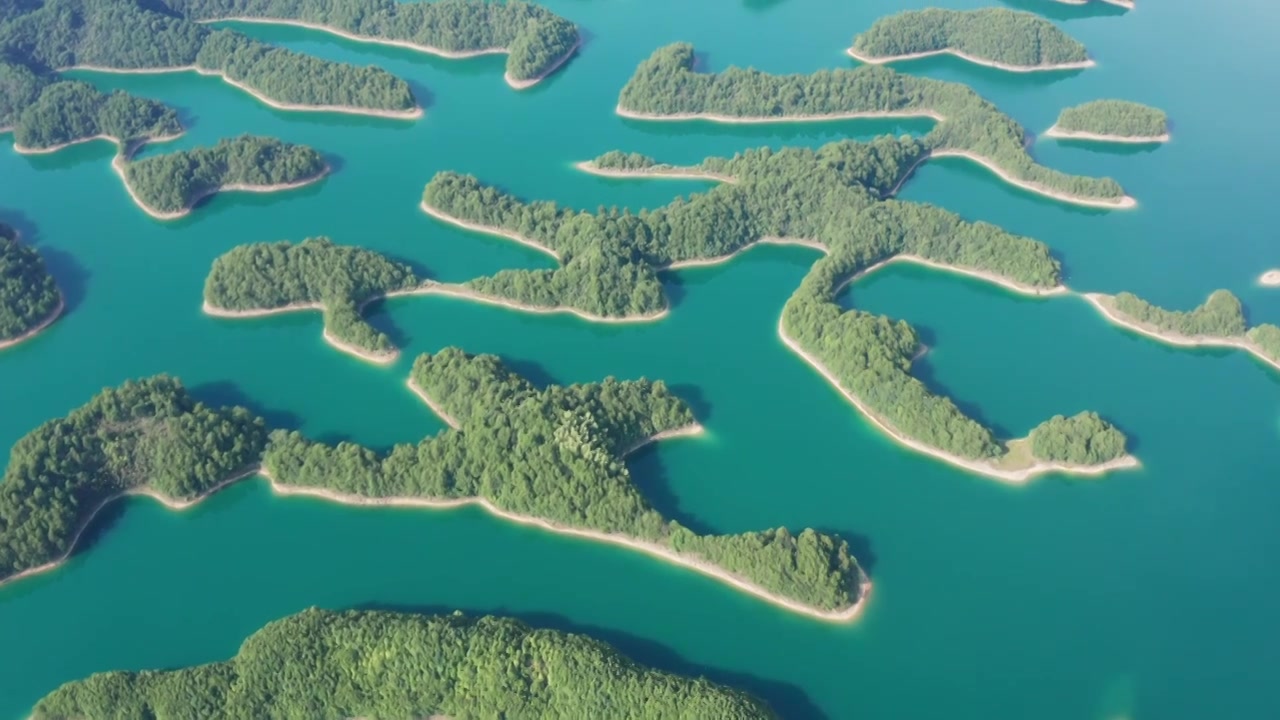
(666, 87)
(551, 458)
(995, 37)
(1118, 121)
(479, 667)
(29, 297)
(1219, 322)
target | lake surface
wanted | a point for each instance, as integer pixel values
(1147, 594)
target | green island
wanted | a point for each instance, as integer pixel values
(1218, 322)
(133, 36)
(536, 40)
(168, 186)
(666, 87)
(270, 278)
(550, 458)
(29, 298)
(375, 664)
(47, 115)
(1112, 121)
(994, 37)
(831, 199)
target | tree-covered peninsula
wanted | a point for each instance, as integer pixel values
(61, 112)
(266, 278)
(665, 86)
(29, 298)
(831, 198)
(536, 40)
(137, 36)
(997, 37)
(168, 186)
(1112, 121)
(329, 665)
(1219, 321)
(147, 437)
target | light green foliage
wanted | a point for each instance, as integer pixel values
(266, 276)
(535, 38)
(665, 84)
(1220, 316)
(557, 454)
(1083, 439)
(173, 181)
(67, 111)
(618, 160)
(1114, 117)
(149, 433)
(1267, 338)
(325, 665)
(28, 294)
(995, 34)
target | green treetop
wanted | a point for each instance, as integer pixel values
(997, 35)
(1118, 118)
(28, 294)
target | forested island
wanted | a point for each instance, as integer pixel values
(316, 274)
(396, 665)
(832, 199)
(1112, 121)
(168, 186)
(47, 114)
(29, 298)
(552, 458)
(995, 37)
(536, 40)
(138, 36)
(1219, 322)
(666, 87)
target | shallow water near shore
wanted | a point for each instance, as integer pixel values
(1145, 594)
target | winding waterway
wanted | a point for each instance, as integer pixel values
(1146, 594)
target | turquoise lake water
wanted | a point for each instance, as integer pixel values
(1141, 595)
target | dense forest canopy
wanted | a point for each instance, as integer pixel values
(995, 34)
(557, 454)
(1120, 118)
(328, 665)
(535, 38)
(1083, 439)
(666, 84)
(28, 294)
(266, 276)
(65, 111)
(145, 434)
(1221, 316)
(173, 182)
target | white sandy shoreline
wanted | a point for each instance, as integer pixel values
(1122, 203)
(1059, 133)
(673, 173)
(1270, 278)
(486, 229)
(883, 59)
(530, 82)
(756, 120)
(44, 323)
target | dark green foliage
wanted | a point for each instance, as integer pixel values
(1220, 316)
(20, 86)
(535, 38)
(665, 84)
(28, 294)
(995, 34)
(325, 665)
(146, 434)
(1114, 117)
(557, 454)
(618, 160)
(67, 111)
(174, 181)
(343, 279)
(1083, 439)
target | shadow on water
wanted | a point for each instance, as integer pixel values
(859, 546)
(778, 135)
(103, 522)
(974, 173)
(530, 370)
(697, 400)
(426, 99)
(923, 371)
(988, 75)
(651, 478)
(71, 276)
(760, 6)
(1063, 11)
(1107, 148)
(787, 700)
(225, 393)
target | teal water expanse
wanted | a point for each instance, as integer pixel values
(1143, 595)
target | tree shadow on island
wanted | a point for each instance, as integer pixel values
(789, 701)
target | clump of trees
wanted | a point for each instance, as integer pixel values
(28, 294)
(1119, 118)
(68, 111)
(145, 434)
(618, 160)
(175, 181)
(1083, 439)
(399, 666)
(557, 454)
(343, 279)
(1221, 315)
(534, 37)
(666, 84)
(995, 34)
